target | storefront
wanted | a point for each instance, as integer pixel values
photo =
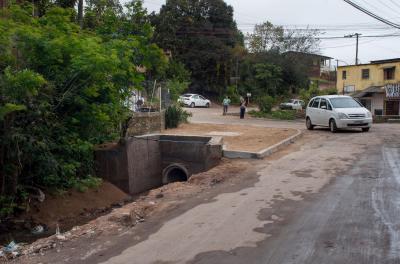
(392, 99)
(381, 100)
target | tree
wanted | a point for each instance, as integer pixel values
(269, 76)
(268, 37)
(62, 91)
(201, 34)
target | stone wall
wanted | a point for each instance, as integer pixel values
(146, 123)
(136, 164)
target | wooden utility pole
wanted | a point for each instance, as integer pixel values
(357, 35)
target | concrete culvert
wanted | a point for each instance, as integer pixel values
(175, 173)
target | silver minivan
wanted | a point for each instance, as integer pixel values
(337, 112)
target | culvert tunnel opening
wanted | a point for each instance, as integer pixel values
(175, 173)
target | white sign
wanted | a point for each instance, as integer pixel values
(392, 90)
(349, 89)
(248, 94)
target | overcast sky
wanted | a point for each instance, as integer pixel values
(335, 17)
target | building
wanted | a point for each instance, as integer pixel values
(319, 67)
(376, 85)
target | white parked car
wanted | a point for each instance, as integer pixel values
(194, 100)
(336, 112)
(293, 104)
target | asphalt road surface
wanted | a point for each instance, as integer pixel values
(329, 198)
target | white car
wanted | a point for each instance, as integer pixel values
(336, 112)
(293, 104)
(194, 100)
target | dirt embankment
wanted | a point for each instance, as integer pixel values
(64, 210)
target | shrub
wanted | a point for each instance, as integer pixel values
(279, 114)
(284, 114)
(265, 103)
(175, 115)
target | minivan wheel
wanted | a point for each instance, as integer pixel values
(332, 126)
(365, 129)
(309, 125)
(192, 105)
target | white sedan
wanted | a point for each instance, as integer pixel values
(337, 111)
(194, 100)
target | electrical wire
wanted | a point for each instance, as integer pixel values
(369, 13)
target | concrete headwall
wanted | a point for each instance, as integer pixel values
(111, 164)
(136, 164)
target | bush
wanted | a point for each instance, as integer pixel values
(279, 114)
(175, 115)
(284, 114)
(266, 103)
(313, 90)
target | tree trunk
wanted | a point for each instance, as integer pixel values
(80, 13)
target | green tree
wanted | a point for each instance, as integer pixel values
(201, 34)
(268, 37)
(62, 90)
(269, 76)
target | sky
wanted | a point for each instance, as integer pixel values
(333, 17)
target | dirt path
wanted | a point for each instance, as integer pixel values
(238, 137)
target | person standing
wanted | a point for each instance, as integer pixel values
(242, 107)
(225, 104)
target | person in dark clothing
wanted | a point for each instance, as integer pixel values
(242, 108)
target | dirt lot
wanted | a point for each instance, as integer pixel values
(237, 137)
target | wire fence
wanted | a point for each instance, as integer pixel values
(154, 97)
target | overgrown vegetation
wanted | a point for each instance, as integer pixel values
(265, 103)
(175, 115)
(63, 90)
(312, 91)
(278, 114)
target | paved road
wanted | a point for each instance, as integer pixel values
(329, 198)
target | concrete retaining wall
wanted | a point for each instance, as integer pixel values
(136, 164)
(146, 123)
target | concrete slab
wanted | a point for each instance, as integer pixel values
(231, 154)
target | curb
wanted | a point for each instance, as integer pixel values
(231, 154)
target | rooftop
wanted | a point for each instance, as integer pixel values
(374, 62)
(308, 54)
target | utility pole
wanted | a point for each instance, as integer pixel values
(357, 35)
(337, 72)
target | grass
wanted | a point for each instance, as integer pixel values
(278, 114)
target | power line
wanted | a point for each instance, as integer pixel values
(350, 45)
(383, 20)
(396, 4)
(377, 8)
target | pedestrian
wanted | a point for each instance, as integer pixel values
(225, 104)
(242, 108)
